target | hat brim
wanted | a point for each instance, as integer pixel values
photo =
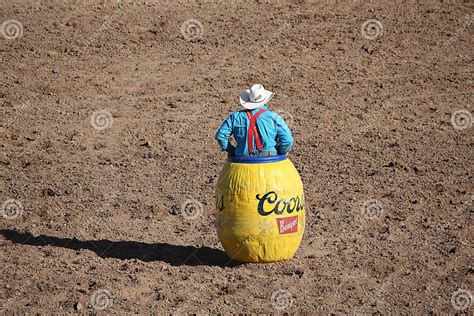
(246, 103)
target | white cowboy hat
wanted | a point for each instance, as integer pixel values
(255, 97)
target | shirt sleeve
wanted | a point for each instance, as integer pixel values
(284, 138)
(224, 133)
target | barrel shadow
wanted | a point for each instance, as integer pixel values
(172, 254)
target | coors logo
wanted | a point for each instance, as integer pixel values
(278, 206)
(287, 225)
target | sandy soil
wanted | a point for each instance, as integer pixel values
(92, 200)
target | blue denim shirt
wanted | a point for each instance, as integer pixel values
(274, 132)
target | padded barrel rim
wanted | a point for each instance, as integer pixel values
(257, 160)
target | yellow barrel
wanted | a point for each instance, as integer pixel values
(260, 209)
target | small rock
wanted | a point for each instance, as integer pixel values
(171, 104)
(371, 173)
(78, 306)
(299, 272)
(49, 192)
(146, 144)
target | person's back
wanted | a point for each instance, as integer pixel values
(257, 130)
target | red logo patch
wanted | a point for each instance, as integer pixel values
(287, 225)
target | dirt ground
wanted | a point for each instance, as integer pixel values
(108, 113)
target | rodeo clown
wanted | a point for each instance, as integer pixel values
(258, 131)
